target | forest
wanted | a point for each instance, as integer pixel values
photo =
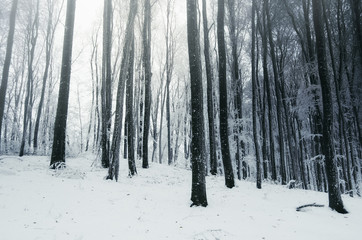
(267, 92)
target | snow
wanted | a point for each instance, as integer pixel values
(77, 203)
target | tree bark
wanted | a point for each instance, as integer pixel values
(278, 97)
(198, 191)
(130, 120)
(335, 200)
(254, 99)
(238, 90)
(60, 125)
(148, 76)
(269, 101)
(210, 104)
(224, 136)
(113, 170)
(106, 96)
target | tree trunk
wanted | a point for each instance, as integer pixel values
(224, 136)
(106, 96)
(278, 97)
(49, 41)
(113, 170)
(32, 37)
(210, 104)
(254, 99)
(198, 192)
(269, 99)
(5, 73)
(58, 152)
(238, 89)
(335, 200)
(130, 120)
(148, 76)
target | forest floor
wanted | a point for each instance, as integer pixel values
(77, 203)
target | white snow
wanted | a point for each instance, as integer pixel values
(77, 203)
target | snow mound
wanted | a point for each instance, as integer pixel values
(68, 173)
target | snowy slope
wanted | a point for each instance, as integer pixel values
(77, 203)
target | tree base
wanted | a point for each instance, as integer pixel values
(198, 204)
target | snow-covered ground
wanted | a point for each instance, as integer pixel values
(77, 203)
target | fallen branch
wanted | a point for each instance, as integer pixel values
(309, 205)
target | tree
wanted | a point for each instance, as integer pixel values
(277, 91)
(60, 125)
(198, 158)
(210, 104)
(224, 136)
(170, 52)
(49, 42)
(31, 39)
(5, 74)
(106, 96)
(116, 141)
(129, 109)
(254, 100)
(146, 38)
(335, 200)
(237, 87)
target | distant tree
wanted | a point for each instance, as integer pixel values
(146, 38)
(32, 34)
(277, 93)
(335, 200)
(5, 73)
(210, 103)
(170, 53)
(237, 90)
(224, 136)
(53, 20)
(254, 98)
(60, 125)
(198, 156)
(113, 170)
(129, 109)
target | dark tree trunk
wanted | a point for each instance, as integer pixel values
(106, 95)
(238, 89)
(146, 38)
(335, 200)
(60, 125)
(278, 97)
(198, 158)
(169, 69)
(130, 120)
(210, 104)
(224, 136)
(5, 73)
(267, 85)
(254, 100)
(113, 170)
